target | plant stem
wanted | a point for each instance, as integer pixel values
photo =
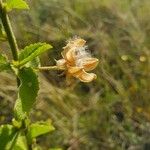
(10, 35)
(8, 29)
(50, 68)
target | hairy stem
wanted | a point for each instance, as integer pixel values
(50, 68)
(10, 35)
(8, 29)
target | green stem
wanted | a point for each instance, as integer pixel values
(8, 30)
(10, 35)
(50, 68)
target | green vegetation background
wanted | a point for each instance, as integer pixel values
(111, 113)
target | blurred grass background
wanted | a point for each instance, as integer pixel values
(111, 113)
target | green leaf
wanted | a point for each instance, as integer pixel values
(33, 63)
(27, 92)
(32, 51)
(10, 138)
(7, 136)
(18, 4)
(20, 143)
(4, 65)
(39, 128)
(16, 123)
